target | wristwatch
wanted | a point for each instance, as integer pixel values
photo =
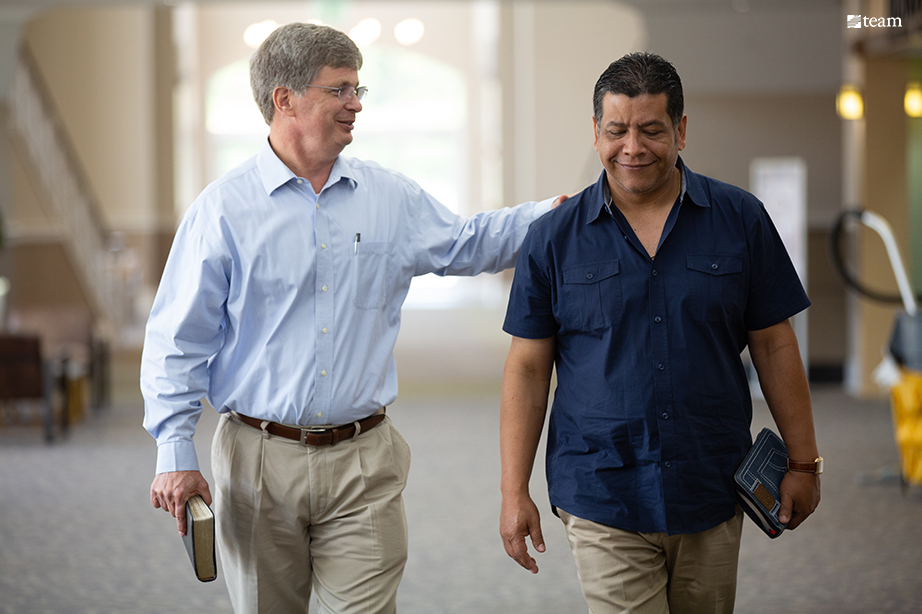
(815, 467)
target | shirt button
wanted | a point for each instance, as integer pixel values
(323, 246)
(714, 266)
(320, 414)
(589, 276)
(324, 288)
(323, 373)
(667, 464)
(655, 273)
(324, 330)
(661, 367)
(300, 181)
(657, 319)
(665, 415)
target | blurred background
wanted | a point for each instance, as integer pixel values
(115, 114)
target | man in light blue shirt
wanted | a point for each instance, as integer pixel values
(280, 302)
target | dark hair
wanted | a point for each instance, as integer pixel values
(293, 55)
(637, 74)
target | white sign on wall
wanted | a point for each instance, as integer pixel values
(781, 185)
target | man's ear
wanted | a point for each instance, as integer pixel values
(595, 133)
(680, 132)
(282, 98)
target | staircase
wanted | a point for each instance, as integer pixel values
(93, 250)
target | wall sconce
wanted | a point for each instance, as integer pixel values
(912, 101)
(849, 103)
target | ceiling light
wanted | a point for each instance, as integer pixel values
(365, 32)
(849, 103)
(256, 33)
(409, 31)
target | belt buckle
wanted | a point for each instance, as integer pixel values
(310, 430)
(315, 429)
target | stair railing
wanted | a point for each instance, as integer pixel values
(57, 165)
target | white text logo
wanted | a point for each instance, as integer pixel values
(857, 21)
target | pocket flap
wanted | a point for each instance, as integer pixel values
(591, 273)
(714, 264)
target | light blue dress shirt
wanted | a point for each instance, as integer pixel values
(284, 305)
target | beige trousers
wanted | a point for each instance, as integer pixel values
(624, 572)
(292, 518)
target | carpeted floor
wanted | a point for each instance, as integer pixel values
(78, 534)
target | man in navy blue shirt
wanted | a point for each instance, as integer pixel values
(642, 291)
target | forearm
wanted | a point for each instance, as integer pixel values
(523, 406)
(776, 358)
(487, 242)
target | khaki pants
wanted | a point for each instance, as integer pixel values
(624, 572)
(292, 518)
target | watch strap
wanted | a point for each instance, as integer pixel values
(815, 466)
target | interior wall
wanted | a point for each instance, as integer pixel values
(726, 132)
(914, 171)
(109, 72)
(827, 339)
(885, 193)
(770, 48)
(98, 65)
(552, 55)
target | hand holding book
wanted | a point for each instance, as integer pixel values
(758, 482)
(774, 497)
(170, 491)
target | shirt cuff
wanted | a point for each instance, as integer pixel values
(177, 456)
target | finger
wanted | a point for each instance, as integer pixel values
(518, 550)
(797, 517)
(537, 539)
(787, 505)
(181, 520)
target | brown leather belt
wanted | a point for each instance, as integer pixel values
(312, 436)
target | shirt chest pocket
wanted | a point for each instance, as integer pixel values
(371, 272)
(716, 290)
(591, 295)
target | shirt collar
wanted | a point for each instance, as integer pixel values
(275, 174)
(691, 189)
(692, 186)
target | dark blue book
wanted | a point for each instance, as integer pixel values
(758, 482)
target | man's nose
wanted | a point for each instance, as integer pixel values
(633, 143)
(354, 104)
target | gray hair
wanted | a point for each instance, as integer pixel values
(292, 57)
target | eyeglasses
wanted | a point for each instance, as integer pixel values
(346, 92)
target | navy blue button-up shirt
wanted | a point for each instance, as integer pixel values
(652, 411)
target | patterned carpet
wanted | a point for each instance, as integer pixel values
(78, 534)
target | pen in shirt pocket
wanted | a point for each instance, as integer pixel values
(358, 238)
